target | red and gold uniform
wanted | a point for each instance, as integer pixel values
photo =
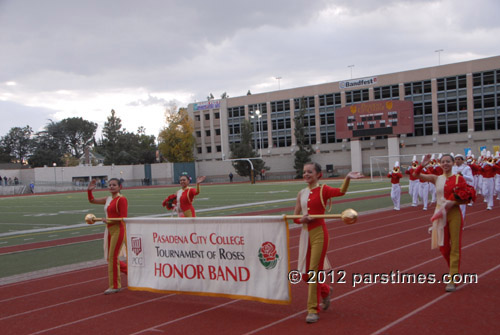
(182, 201)
(116, 208)
(314, 239)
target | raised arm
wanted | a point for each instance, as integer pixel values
(90, 196)
(198, 181)
(425, 177)
(347, 179)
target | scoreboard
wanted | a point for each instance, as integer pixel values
(374, 118)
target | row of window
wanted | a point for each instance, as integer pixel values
(452, 102)
(197, 117)
(208, 132)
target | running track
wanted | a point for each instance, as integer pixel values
(73, 303)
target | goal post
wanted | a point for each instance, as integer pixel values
(381, 165)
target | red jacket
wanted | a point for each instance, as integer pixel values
(488, 170)
(410, 172)
(317, 201)
(395, 177)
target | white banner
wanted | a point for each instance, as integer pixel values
(235, 257)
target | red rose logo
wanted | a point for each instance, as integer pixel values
(268, 255)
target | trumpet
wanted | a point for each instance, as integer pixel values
(349, 216)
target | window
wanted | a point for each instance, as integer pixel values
(207, 133)
(419, 93)
(218, 148)
(209, 149)
(207, 116)
(217, 115)
(198, 133)
(197, 117)
(217, 132)
(199, 150)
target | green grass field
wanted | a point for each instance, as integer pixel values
(31, 219)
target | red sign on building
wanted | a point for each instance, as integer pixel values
(375, 118)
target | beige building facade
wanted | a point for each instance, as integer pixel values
(455, 106)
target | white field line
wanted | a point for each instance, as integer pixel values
(20, 232)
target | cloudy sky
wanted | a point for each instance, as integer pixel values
(69, 58)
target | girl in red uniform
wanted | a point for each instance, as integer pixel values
(314, 235)
(447, 220)
(115, 206)
(182, 201)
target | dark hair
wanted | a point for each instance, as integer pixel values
(449, 155)
(317, 167)
(117, 180)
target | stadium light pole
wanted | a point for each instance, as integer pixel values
(55, 180)
(278, 79)
(351, 66)
(439, 55)
(257, 114)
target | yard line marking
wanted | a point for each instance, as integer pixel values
(79, 225)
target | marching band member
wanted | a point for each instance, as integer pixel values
(465, 171)
(414, 182)
(489, 170)
(395, 175)
(451, 190)
(424, 187)
(475, 171)
(314, 235)
(480, 162)
(115, 206)
(182, 201)
(432, 168)
(497, 176)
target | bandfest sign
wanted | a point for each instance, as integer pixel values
(357, 82)
(211, 104)
(233, 257)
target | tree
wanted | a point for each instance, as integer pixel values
(18, 143)
(73, 134)
(305, 151)
(224, 95)
(4, 155)
(244, 150)
(108, 146)
(121, 147)
(249, 93)
(210, 97)
(46, 151)
(176, 140)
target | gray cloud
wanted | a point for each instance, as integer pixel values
(194, 48)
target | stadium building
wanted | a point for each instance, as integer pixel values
(452, 108)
